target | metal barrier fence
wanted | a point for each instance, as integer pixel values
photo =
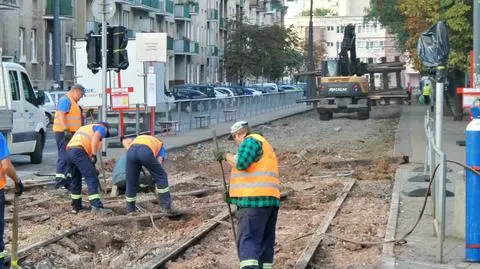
(201, 113)
(434, 157)
(184, 115)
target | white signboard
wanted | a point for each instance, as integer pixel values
(133, 76)
(151, 90)
(151, 47)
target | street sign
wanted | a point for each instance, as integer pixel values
(151, 47)
(120, 97)
(97, 10)
(468, 96)
(151, 90)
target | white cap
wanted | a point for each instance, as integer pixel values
(237, 126)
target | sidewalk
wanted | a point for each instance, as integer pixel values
(183, 139)
(421, 247)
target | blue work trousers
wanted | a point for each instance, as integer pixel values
(256, 236)
(2, 227)
(142, 155)
(80, 164)
(61, 177)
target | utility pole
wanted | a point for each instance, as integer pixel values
(310, 82)
(104, 68)
(57, 49)
(476, 43)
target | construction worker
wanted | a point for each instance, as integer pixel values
(426, 93)
(147, 151)
(6, 169)
(82, 157)
(255, 189)
(68, 119)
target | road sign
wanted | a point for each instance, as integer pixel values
(151, 47)
(120, 97)
(468, 96)
(98, 11)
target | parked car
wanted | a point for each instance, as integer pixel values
(48, 106)
(252, 91)
(286, 87)
(268, 87)
(208, 90)
(229, 101)
(188, 93)
(56, 95)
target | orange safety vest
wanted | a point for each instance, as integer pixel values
(73, 118)
(83, 138)
(261, 178)
(3, 178)
(152, 142)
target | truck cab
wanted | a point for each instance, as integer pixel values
(28, 132)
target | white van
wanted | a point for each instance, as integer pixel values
(27, 133)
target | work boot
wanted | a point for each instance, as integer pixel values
(76, 210)
(101, 210)
(131, 207)
(170, 211)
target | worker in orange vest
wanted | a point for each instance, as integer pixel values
(148, 151)
(82, 157)
(68, 119)
(255, 189)
(6, 169)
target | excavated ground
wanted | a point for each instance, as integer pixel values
(316, 160)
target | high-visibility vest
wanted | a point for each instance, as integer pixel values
(3, 178)
(83, 138)
(152, 142)
(426, 91)
(73, 118)
(261, 178)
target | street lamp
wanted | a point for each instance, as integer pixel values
(310, 81)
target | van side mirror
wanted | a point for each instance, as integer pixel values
(41, 98)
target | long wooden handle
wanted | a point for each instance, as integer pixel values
(14, 260)
(215, 140)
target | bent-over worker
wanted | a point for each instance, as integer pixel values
(6, 169)
(148, 151)
(119, 177)
(68, 119)
(82, 157)
(255, 190)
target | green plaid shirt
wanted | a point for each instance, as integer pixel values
(251, 151)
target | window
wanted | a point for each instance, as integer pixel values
(338, 29)
(368, 45)
(21, 45)
(14, 85)
(371, 44)
(152, 25)
(50, 48)
(33, 42)
(381, 44)
(68, 50)
(125, 18)
(28, 90)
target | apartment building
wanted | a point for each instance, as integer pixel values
(27, 38)
(264, 12)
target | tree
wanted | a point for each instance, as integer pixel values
(261, 51)
(409, 18)
(319, 51)
(318, 12)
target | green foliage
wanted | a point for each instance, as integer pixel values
(267, 51)
(407, 19)
(318, 12)
(387, 13)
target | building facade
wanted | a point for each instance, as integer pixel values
(27, 38)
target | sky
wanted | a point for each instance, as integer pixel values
(294, 8)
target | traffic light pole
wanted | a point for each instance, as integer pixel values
(476, 43)
(104, 70)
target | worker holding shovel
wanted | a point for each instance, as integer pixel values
(6, 169)
(255, 190)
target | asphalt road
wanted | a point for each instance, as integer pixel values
(26, 170)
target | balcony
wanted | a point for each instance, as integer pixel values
(212, 50)
(8, 4)
(194, 8)
(221, 52)
(170, 43)
(92, 26)
(212, 14)
(223, 23)
(66, 8)
(186, 47)
(145, 4)
(182, 12)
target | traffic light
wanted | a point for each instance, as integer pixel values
(94, 52)
(118, 40)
